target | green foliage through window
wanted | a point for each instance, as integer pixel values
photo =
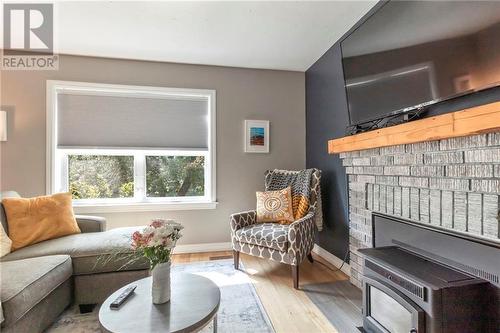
(175, 176)
(98, 176)
(108, 176)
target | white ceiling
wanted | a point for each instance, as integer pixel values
(272, 35)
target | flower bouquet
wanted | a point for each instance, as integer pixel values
(156, 243)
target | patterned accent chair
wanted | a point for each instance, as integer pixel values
(289, 244)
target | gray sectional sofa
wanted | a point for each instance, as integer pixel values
(39, 281)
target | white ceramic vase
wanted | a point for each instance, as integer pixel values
(161, 283)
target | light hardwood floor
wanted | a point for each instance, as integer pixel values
(290, 310)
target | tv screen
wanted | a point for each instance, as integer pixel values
(414, 53)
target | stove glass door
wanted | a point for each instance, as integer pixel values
(391, 315)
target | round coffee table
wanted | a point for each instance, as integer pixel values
(193, 304)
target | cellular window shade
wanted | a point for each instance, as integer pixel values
(122, 121)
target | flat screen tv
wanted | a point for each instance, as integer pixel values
(410, 54)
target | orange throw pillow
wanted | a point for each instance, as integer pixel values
(275, 206)
(32, 220)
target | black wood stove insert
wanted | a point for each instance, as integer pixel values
(420, 279)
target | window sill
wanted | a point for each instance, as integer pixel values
(142, 207)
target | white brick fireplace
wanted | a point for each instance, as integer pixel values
(452, 184)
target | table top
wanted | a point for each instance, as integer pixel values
(193, 303)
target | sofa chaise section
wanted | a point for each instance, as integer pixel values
(101, 262)
(91, 253)
(98, 261)
(34, 292)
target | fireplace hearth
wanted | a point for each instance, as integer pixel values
(426, 280)
(452, 184)
(437, 183)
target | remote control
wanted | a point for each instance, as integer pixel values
(122, 298)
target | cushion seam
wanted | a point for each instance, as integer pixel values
(32, 282)
(40, 300)
(75, 273)
(253, 238)
(285, 250)
(58, 254)
(100, 254)
(115, 271)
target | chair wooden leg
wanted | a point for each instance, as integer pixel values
(295, 276)
(310, 258)
(236, 257)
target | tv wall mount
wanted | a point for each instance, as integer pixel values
(386, 121)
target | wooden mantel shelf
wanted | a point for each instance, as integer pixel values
(477, 120)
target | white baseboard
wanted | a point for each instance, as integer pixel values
(202, 247)
(213, 247)
(332, 259)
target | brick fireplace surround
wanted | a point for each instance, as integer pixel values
(451, 183)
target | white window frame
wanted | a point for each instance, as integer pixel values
(57, 161)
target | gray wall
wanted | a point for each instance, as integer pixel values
(242, 94)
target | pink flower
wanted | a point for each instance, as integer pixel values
(157, 240)
(156, 223)
(137, 240)
(136, 236)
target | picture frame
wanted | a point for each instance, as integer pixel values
(256, 134)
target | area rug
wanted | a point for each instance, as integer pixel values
(340, 302)
(240, 307)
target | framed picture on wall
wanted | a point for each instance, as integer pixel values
(256, 136)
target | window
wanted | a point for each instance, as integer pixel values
(175, 176)
(122, 148)
(99, 176)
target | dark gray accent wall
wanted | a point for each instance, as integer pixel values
(327, 118)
